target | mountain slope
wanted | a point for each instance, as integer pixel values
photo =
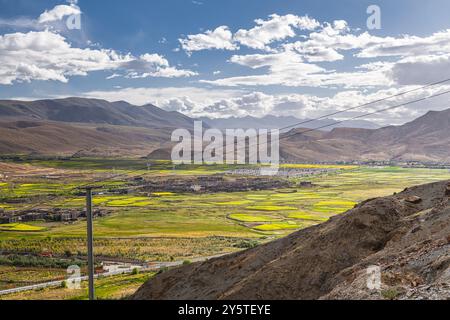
(274, 122)
(407, 238)
(85, 126)
(59, 138)
(80, 110)
(424, 139)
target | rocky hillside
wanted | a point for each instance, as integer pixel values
(81, 110)
(88, 127)
(58, 138)
(424, 139)
(407, 235)
(59, 128)
(275, 122)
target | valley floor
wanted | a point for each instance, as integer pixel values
(165, 226)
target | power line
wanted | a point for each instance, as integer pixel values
(127, 174)
(368, 114)
(349, 119)
(366, 104)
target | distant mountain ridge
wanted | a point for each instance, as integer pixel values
(426, 138)
(276, 122)
(98, 127)
(82, 110)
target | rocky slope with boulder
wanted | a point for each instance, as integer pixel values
(406, 235)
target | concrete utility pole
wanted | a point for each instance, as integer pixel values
(90, 242)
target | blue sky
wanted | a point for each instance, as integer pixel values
(210, 57)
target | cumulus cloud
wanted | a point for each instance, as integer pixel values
(220, 38)
(58, 12)
(45, 55)
(307, 106)
(417, 60)
(288, 69)
(255, 104)
(152, 65)
(197, 102)
(406, 45)
(50, 18)
(187, 99)
(265, 32)
(421, 69)
(274, 29)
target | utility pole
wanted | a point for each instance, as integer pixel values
(90, 242)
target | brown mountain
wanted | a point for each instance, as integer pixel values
(406, 235)
(424, 139)
(69, 125)
(80, 110)
(58, 138)
(85, 126)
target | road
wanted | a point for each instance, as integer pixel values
(148, 267)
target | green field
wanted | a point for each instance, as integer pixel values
(108, 288)
(167, 226)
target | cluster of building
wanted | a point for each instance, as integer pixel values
(215, 183)
(53, 214)
(286, 173)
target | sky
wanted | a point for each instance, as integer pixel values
(230, 58)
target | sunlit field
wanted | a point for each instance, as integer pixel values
(170, 226)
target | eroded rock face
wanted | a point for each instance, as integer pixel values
(414, 199)
(408, 241)
(447, 190)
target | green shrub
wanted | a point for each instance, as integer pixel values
(162, 270)
(246, 244)
(390, 294)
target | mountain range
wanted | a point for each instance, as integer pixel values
(85, 127)
(427, 138)
(276, 122)
(97, 128)
(80, 110)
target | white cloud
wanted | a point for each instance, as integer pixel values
(274, 29)
(437, 43)
(50, 18)
(193, 99)
(220, 38)
(58, 12)
(152, 65)
(288, 69)
(421, 69)
(419, 60)
(255, 104)
(307, 106)
(46, 55)
(259, 37)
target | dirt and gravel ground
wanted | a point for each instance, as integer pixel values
(407, 235)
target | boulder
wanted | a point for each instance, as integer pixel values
(414, 199)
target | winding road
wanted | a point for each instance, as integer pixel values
(154, 266)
